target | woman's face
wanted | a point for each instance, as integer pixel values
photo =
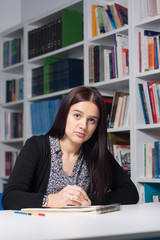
(82, 121)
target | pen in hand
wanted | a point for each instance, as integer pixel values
(69, 180)
(67, 177)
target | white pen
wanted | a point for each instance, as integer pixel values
(68, 178)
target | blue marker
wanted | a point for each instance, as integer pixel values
(22, 213)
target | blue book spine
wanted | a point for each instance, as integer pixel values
(151, 33)
(34, 118)
(116, 59)
(142, 102)
(39, 117)
(156, 53)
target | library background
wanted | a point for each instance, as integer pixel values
(111, 45)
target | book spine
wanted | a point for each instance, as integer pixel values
(143, 102)
(151, 94)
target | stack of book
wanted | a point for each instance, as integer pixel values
(150, 8)
(149, 51)
(106, 62)
(108, 104)
(67, 73)
(37, 81)
(61, 32)
(120, 114)
(122, 155)
(57, 75)
(13, 125)
(150, 100)
(11, 52)
(14, 89)
(119, 146)
(43, 115)
(10, 159)
(107, 18)
(152, 159)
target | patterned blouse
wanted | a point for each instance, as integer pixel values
(57, 181)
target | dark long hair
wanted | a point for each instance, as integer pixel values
(95, 149)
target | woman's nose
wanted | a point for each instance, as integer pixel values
(83, 124)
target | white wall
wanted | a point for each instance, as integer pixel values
(13, 12)
(35, 8)
(10, 13)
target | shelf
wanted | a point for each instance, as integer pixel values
(15, 69)
(148, 127)
(113, 84)
(148, 180)
(14, 105)
(62, 52)
(153, 75)
(151, 22)
(5, 178)
(109, 36)
(110, 130)
(47, 96)
(13, 141)
(138, 133)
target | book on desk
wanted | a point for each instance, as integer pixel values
(99, 209)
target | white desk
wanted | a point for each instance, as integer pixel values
(131, 222)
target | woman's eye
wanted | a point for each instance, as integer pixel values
(77, 116)
(92, 120)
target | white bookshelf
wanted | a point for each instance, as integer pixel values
(143, 133)
(138, 131)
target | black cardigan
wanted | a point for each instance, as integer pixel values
(29, 178)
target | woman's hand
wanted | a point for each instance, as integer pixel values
(70, 195)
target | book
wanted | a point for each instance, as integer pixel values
(99, 209)
(72, 27)
(152, 99)
(100, 64)
(13, 125)
(46, 84)
(14, 89)
(10, 159)
(43, 114)
(148, 50)
(152, 159)
(122, 54)
(37, 81)
(65, 30)
(118, 139)
(148, 102)
(94, 24)
(108, 103)
(116, 110)
(122, 13)
(107, 18)
(144, 103)
(100, 25)
(66, 73)
(149, 8)
(12, 52)
(122, 155)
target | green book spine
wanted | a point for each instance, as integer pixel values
(72, 27)
(47, 62)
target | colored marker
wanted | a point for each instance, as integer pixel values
(18, 212)
(37, 214)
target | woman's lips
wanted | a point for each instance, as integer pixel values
(79, 134)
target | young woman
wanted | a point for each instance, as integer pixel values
(71, 164)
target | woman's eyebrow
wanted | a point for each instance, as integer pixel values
(76, 110)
